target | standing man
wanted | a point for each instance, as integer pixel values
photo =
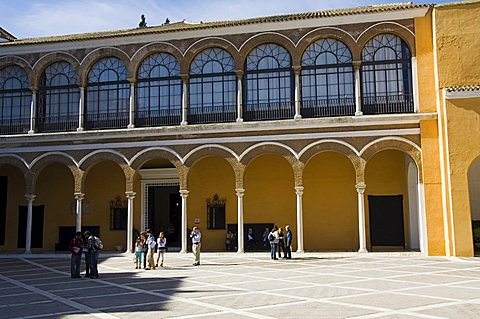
(196, 244)
(76, 248)
(151, 244)
(94, 245)
(288, 242)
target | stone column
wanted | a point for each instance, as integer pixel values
(33, 111)
(239, 74)
(416, 102)
(78, 212)
(422, 219)
(81, 110)
(184, 99)
(131, 113)
(130, 197)
(361, 217)
(299, 192)
(358, 91)
(298, 114)
(240, 193)
(28, 237)
(184, 195)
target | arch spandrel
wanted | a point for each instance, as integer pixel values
(207, 150)
(394, 144)
(39, 165)
(328, 33)
(51, 58)
(387, 27)
(268, 37)
(141, 158)
(93, 57)
(206, 43)
(267, 148)
(15, 161)
(147, 50)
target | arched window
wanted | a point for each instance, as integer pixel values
(159, 91)
(108, 95)
(268, 84)
(386, 75)
(213, 87)
(58, 98)
(327, 77)
(15, 100)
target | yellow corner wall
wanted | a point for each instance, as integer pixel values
(330, 214)
(15, 198)
(270, 193)
(425, 63)
(385, 174)
(209, 176)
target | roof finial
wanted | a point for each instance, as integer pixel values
(167, 21)
(143, 23)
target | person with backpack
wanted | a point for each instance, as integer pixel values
(273, 239)
(93, 245)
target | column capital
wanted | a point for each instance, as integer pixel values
(239, 73)
(299, 190)
(240, 192)
(184, 193)
(79, 196)
(357, 65)
(360, 187)
(30, 197)
(184, 77)
(34, 89)
(132, 81)
(296, 69)
(130, 195)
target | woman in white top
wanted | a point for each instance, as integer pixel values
(161, 244)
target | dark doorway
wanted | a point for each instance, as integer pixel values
(164, 212)
(258, 244)
(386, 220)
(37, 226)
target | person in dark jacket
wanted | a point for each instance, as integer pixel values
(76, 248)
(288, 242)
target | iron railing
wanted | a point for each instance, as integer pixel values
(388, 104)
(57, 123)
(328, 107)
(15, 125)
(269, 111)
(212, 114)
(106, 120)
(158, 118)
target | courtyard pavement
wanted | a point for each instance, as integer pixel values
(245, 286)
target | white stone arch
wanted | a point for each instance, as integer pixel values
(266, 33)
(16, 159)
(155, 148)
(38, 158)
(348, 145)
(153, 44)
(210, 38)
(103, 48)
(286, 147)
(325, 28)
(384, 22)
(201, 147)
(53, 53)
(89, 155)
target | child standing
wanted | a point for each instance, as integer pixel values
(161, 246)
(138, 252)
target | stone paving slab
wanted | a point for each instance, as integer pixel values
(245, 286)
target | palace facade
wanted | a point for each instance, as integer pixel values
(359, 128)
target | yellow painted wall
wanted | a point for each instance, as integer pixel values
(458, 61)
(385, 174)
(103, 183)
(15, 197)
(433, 188)
(55, 189)
(209, 176)
(425, 63)
(330, 204)
(270, 193)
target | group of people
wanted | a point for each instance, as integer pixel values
(280, 241)
(145, 247)
(91, 246)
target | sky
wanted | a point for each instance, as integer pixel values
(38, 18)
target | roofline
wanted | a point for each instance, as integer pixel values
(173, 28)
(7, 35)
(458, 3)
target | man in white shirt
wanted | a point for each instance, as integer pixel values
(196, 244)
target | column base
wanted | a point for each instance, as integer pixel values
(183, 123)
(80, 129)
(27, 252)
(240, 251)
(300, 251)
(359, 113)
(182, 251)
(130, 126)
(297, 117)
(363, 251)
(31, 132)
(239, 120)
